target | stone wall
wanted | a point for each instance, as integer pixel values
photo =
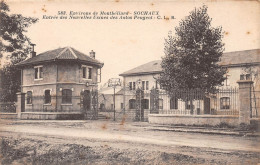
(51, 116)
(193, 120)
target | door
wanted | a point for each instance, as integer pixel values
(86, 100)
(206, 105)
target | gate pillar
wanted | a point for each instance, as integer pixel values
(20, 106)
(245, 101)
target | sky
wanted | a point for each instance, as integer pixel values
(125, 44)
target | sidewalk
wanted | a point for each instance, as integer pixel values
(204, 130)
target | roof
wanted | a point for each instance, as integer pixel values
(237, 58)
(148, 68)
(110, 91)
(240, 57)
(66, 53)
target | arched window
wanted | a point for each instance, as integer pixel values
(47, 96)
(66, 96)
(102, 106)
(29, 97)
(224, 103)
(132, 104)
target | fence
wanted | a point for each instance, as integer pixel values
(225, 101)
(7, 108)
(255, 104)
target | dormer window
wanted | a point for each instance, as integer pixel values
(38, 72)
(86, 72)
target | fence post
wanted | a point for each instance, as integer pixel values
(245, 101)
(20, 107)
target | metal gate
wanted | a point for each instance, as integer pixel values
(89, 104)
(255, 104)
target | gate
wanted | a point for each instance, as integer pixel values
(154, 101)
(255, 104)
(89, 101)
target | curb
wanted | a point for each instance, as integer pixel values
(248, 134)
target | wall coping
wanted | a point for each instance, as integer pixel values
(51, 113)
(193, 116)
(8, 113)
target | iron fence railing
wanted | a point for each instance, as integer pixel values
(255, 103)
(225, 101)
(7, 108)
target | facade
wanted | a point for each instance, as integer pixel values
(106, 100)
(241, 65)
(60, 80)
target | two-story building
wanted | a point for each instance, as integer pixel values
(241, 65)
(60, 80)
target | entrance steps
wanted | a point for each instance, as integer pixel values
(103, 117)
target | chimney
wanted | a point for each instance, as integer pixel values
(92, 54)
(33, 53)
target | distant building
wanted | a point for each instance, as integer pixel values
(106, 102)
(60, 80)
(241, 65)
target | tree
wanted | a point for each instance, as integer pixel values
(16, 46)
(192, 55)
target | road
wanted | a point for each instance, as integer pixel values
(138, 136)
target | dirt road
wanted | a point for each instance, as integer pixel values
(105, 142)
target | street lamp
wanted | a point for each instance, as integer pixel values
(114, 82)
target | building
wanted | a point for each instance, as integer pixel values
(106, 100)
(60, 80)
(241, 65)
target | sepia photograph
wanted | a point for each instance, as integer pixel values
(112, 82)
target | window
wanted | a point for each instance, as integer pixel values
(38, 72)
(132, 104)
(112, 106)
(86, 72)
(133, 85)
(245, 77)
(145, 103)
(122, 105)
(130, 86)
(147, 85)
(156, 84)
(143, 85)
(47, 97)
(160, 103)
(174, 103)
(66, 96)
(89, 73)
(29, 97)
(225, 103)
(242, 77)
(248, 76)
